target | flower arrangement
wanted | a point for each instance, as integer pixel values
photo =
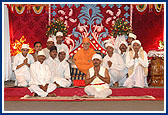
(161, 45)
(120, 27)
(55, 26)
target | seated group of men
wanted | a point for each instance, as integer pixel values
(48, 68)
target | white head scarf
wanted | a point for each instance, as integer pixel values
(50, 39)
(26, 46)
(109, 44)
(41, 53)
(59, 34)
(122, 42)
(97, 56)
(135, 41)
(132, 35)
(61, 50)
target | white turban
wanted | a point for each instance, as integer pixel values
(50, 39)
(26, 46)
(123, 42)
(59, 34)
(132, 35)
(109, 44)
(97, 56)
(136, 41)
(41, 53)
(62, 50)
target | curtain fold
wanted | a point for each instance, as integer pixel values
(8, 75)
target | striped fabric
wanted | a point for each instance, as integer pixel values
(78, 76)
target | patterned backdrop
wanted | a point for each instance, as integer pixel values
(86, 20)
(25, 21)
(89, 20)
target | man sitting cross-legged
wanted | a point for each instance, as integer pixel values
(40, 73)
(59, 67)
(97, 79)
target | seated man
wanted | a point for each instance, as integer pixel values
(137, 63)
(37, 47)
(50, 43)
(83, 57)
(97, 79)
(122, 52)
(52, 62)
(131, 37)
(21, 65)
(115, 65)
(58, 43)
(64, 78)
(40, 83)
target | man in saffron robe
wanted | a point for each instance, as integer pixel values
(83, 58)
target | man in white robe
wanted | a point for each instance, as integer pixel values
(131, 37)
(52, 62)
(49, 44)
(115, 65)
(58, 41)
(63, 70)
(40, 83)
(97, 79)
(137, 63)
(122, 50)
(21, 65)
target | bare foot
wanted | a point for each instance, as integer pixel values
(116, 84)
(51, 95)
(35, 95)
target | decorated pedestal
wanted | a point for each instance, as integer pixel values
(156, 68)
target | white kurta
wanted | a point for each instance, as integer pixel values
(63, 71)
(40, 75)
(137, 79)
(129, 47)
(23, 73)
(117, 67)
(125, 71)
(100, 91)
(64, 47)
(46, 52)
(53, 65)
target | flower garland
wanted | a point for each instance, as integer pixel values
(120, 27)
(56, 26)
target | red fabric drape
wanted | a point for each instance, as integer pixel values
(149, 28)
(29, 25)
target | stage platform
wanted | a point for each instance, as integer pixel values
(14, 94)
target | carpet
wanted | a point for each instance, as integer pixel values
(80, 98)
(15, 94)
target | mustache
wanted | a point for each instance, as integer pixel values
(95, 63)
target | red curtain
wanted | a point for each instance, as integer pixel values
(149, 28)
(28, 24)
